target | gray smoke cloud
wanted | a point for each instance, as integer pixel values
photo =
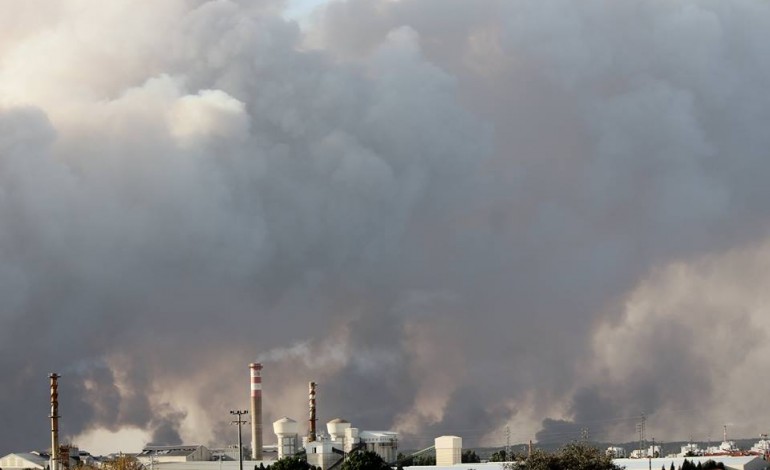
(451, 215)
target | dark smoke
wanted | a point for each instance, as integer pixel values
(454, 216)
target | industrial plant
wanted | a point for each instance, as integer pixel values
(326, 450)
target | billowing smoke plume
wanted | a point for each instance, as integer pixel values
(452, 215)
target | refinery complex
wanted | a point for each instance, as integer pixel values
(327, 448)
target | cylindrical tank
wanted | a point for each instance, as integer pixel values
(286, 430)
(336, 429)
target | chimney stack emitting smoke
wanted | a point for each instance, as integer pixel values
(311, 436)
(256, 410)
(54, 464)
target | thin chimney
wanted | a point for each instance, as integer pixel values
(311, 436)
(256, 410)
(55, 453)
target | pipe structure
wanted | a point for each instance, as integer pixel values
(256, 410)
(311, 435)
(54, 464)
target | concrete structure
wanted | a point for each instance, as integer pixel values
(384, 443)
(255, 369)
(323, 453)
(163, 454)
(449, 450)
(287, 432)
(347, 438)
(24, 460)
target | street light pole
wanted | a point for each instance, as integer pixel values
(239, 422)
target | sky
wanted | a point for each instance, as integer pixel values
(302, 10)
(454, 216)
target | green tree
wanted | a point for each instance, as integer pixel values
(469, 456)
(364, 460)
(499, 456)
(713, 465)
(291, 463)
(575, 456)
(424, 460)
(123, 462)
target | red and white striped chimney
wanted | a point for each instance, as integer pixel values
(256, 410)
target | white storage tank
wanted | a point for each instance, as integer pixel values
(449, 450)
(336, 429)
(286, 430)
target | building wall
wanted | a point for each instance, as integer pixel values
(287, 445)
(320, 454)
(200, 454)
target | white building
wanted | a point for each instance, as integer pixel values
(616, 452)
(25, 461)
(762, 447)
(690, 450)
(449, 450)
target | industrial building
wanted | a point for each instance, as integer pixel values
(326, 450)
(24, 460)
(151, 455)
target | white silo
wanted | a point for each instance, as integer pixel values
(449, 450)
(336, 429)
(286, 430)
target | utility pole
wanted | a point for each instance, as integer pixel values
(239, 422)
(652, 453)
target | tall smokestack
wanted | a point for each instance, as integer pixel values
(256, 410)
(54, 465)
(311, 435)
